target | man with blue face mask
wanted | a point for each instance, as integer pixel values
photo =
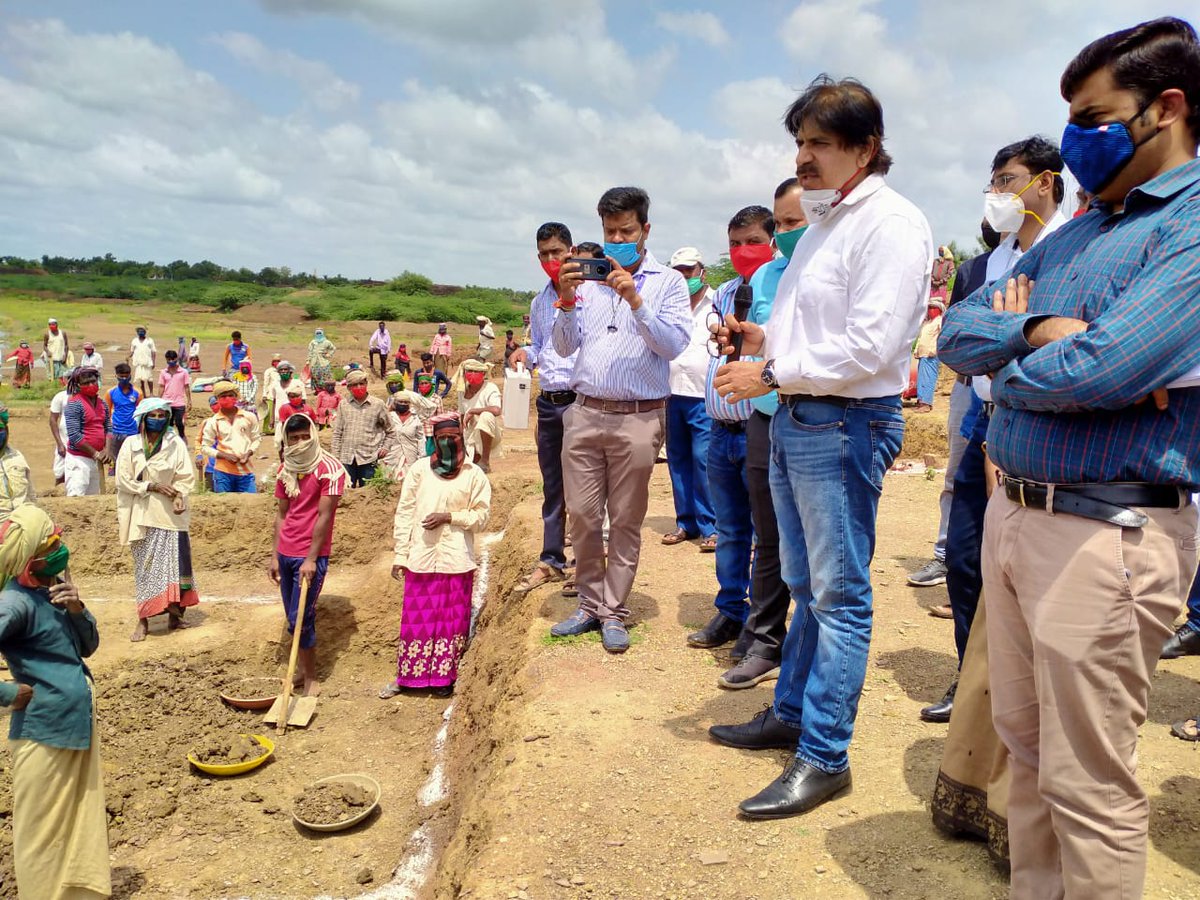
(626, 331)
(1090, 537)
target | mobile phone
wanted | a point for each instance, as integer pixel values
(592, 269)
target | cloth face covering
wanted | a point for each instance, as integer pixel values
(300, 458)
(1097, 155)
(747, 258)
(551, 267)
(449, 451)
(786, 240)
(626, 254)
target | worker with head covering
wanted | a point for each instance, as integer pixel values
(23, 372)
(409, 445)
(363, 430)
(231, 436)
(320, 359)
(487, 338)
(55, 349)
(441, 348)
(87, 419)
(479, 409)
(16, 485)
(59, 822)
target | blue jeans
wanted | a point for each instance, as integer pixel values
(828, 459)
(688, 430)
(554, 508)
(730, 493)
(289, 592)
(1193, 605)
(927, 373)
(964, 543)
(224, 483)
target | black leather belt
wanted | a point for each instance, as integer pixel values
(560, 398)
(989, 408)
(1103, 502)
(738, 427)
(791, 399)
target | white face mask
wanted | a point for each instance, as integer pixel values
(820, 205)
(1004, 212)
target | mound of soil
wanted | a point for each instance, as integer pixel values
(332, 802)
(226, 751)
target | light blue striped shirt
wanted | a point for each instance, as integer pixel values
(715, 405)
(763, 283)
(554, 371)
(632, 362)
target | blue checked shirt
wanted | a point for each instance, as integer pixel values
(1067, 413)
(554, 371)
(715, 405)
(631, 362)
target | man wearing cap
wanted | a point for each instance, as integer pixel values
(143, 356)
(362, 432)
(688, 425)
(380, 345)
(92, 359)
(479, 411)
(626, 331)
(440, 349)
(55, 348)
(487, 338)
(230, 437)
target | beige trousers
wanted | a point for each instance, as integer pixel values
(1077, 612)
(607, 462)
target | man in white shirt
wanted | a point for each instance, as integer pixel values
(92, 360)
(837, 349)
(688, 425)
(143, 356)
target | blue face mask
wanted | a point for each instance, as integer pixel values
(155, 425)
(1097, 155)
(625, 254)
(786, 240)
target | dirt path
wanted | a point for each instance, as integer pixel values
(605, 783)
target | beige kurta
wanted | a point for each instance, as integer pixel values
(408, 446)
(447, 549)
(138, 508)
(485, 423)
(16, 486)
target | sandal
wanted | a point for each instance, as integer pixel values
(569, 589)
(709, 544)
(390, 690)
(1188, 729)
(941, 612)
(678, 536)
(543, 574)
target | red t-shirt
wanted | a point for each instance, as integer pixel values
(327, 480)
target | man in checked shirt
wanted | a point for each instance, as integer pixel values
(1090, 541)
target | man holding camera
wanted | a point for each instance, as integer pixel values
(626, 331)
(837, 348)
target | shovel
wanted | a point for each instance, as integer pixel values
(299, 710)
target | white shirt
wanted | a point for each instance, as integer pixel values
(1003, 258)
(690, 368)
(850, 302)
(57, 405)
(95, 360)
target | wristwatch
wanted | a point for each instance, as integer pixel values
(768, 375)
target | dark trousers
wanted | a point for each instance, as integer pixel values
(177, 419)
(289, 592)
(549, 450)
(1193, 605)
(769, 596)
(360, 472)
(383, 358)
(964, 542)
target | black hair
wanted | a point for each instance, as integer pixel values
(589, 248)
(237, 335)
(171, 354)
(625, 199)
(846, 108)
(1038, 154)
(786, 185)
(122, 368)
(551, 230)
(1146, 59)
(753, 215)
(426, 356)
(295, 423)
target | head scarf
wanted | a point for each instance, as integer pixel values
(26, 534)
(245, 371)
(475, 365)
(358, 376)
(301, 458)
(319, 334)
(295, 389)
(424, 378)
(403, 397)
(149, 405)
(393, 377)
(76, 375)
(223, 386)
(449, 451)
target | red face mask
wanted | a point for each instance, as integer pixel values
(747, 258)
(359, 392)
(296, 401)
(474, 378)
(551, 267)
(227, 403)
(89, 390)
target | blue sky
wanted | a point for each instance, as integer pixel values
(371, 136)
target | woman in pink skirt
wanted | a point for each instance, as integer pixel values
(445, 500)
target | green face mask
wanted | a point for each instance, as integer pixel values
(53, 562)
(786, 240)
(694, 285)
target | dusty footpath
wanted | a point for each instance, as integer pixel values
(566, 772)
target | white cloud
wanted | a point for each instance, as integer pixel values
(327, 90)
(703, 26)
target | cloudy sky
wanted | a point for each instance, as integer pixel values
(366, 137)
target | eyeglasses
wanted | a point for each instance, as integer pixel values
(1000, 182)
(713, 321)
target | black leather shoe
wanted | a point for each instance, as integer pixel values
(1184, 642)
(940, 711)
(742, 645)
(721, 630)
(799, 789)
(763, 732)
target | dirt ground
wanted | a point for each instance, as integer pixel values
(571, 772)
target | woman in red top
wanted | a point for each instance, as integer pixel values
(327, 404)
(24, 357)
(295, 404)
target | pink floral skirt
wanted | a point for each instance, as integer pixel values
(434, 624)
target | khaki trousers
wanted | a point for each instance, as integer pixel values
(1077, 614)
(607, 462)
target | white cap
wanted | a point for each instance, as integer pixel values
(686, 256)
(52, 322)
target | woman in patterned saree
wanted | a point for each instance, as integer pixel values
(445, 500)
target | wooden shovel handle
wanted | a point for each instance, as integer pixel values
(286, 696)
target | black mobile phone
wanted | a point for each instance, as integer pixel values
(592, 269)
